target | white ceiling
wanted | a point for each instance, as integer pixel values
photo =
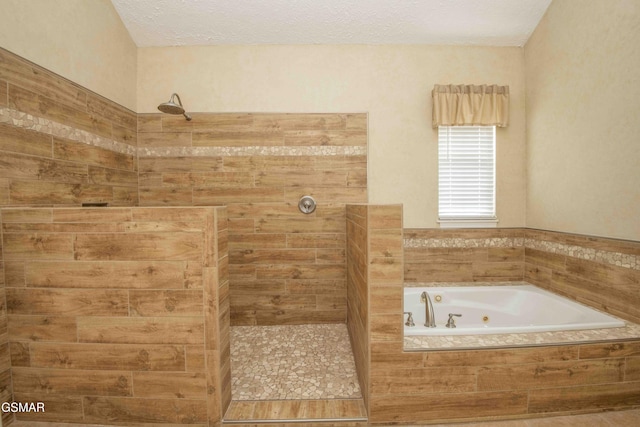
(443, 22)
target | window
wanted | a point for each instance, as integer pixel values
(466, 176)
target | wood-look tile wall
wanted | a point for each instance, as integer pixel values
(6, 391)
(119, 315)
(45, 124)
(284, 267)
(447, 386)
(489, 384)
(375, 283)
(358, 291)
(461, 262)
(42, 161)
(594, 281)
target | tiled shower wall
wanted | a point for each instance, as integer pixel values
(285, 267)
(119, 315)
(60, 145)
(375, 283)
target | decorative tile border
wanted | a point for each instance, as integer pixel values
(597, 255)
(495, 242)
(443, 342)
(50, 127)
(607, 257)
(252, 151)
(40, 124)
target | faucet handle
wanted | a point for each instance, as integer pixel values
(409, 321)
(451, 323)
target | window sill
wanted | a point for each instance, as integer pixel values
(468, 223)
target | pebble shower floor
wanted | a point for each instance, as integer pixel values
(292, 362)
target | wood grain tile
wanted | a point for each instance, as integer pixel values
(67, 302)
(18, 140)
(4, 101)
(138, 246)
(58, 193)
(137, 357)
(165, 303)
(526, 377)
(40, 106)
(36, 79)
(18, 166)
(42, 328)
(409, 408)
(72, 382)
(238, 138)
(37, 246)
(57, 408)
(149, 123)
(125, 330)
(111, 111)
(100, 274)
(299, 121)
(589, 397)
(174, 385)
(128, 410)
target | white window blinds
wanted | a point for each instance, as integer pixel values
(466, 172)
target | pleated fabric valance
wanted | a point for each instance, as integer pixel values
(470, 105)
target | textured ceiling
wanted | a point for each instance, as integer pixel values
(445, 22)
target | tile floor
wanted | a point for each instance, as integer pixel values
(292, 362)
(629, 418)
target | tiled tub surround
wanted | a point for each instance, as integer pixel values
(292, 362)
(603, 273)
(285, 267)
(427, 387)
(119, 315)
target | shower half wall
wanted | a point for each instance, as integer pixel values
(285, 267)
(118, 315)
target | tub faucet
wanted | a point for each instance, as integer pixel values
(430, 317)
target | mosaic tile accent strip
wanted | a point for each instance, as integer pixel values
(598, 255)
(414, 343)
(252, 151)
(40, 124)
(496, 242)
(292, 362)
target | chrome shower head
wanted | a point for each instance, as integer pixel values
(171, 107)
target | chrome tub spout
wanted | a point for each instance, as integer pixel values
(430, 318)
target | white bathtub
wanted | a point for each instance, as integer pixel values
(501, 310)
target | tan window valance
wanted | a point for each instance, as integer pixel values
(470, 105)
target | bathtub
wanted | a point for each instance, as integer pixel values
(507, 309)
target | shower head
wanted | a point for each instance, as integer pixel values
(171, 107)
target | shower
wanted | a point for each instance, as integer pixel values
(171, 107)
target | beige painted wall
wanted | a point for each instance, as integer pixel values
(82, 40)
(391, 83)
(583, 119)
